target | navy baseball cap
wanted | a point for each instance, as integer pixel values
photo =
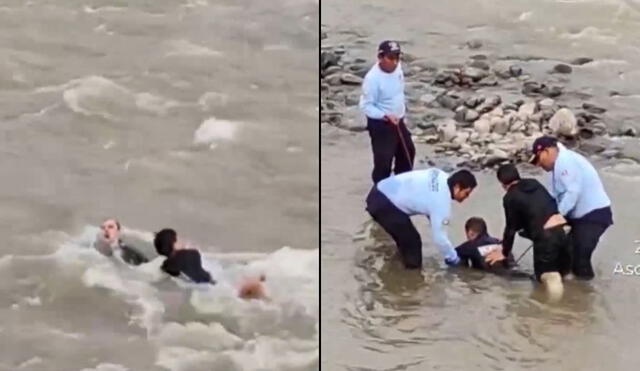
(540, 145)
(389, 47)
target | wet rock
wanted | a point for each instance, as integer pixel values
(592, 147)
(564, 123)
(425, 65)
(448, 101)
(599, 128)
(331, 70)
(489, 81)
(581, 60)
(546, 104)
(552, 92)
(536, 117)
(628, 131)
(324, 87)
(592, 108)
(527, 110)
(517, 125)
(476, 74)
(473, 102)
(461, 113)
(530, 88)
(334, 80)
(481, 126)
(427, 98)
(499, 125)
(586, 133)
(328, 59)
(492, 101)
(447, 130)
(497, 112)
(471, 115)
(610, 153)
(515, 70)
(562, 68)
(480, 64)
(350, 79)
(474, 44)
(352, 99)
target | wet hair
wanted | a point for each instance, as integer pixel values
(477, 225)
(164, 241)
(508, 174)
(463, 179)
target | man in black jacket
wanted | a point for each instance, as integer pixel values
(187, 263)
(529, 207)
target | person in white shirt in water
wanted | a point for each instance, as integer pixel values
(581, 198)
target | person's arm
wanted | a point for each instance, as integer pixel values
(512, 225)
(193, 268)
(369, 99)
(439, 221)
(569, 177)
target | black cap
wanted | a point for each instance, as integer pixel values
(540, 145)
(389, 48)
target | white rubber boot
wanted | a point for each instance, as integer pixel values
(552, 282)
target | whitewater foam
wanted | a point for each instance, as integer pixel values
(213, 130)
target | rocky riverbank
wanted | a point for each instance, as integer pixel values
(483, 111)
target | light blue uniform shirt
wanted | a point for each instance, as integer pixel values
(424, 192)
(576, 185)
(383, 93)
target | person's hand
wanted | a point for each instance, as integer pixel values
(494, 257)
(452, 262)
(392, 119)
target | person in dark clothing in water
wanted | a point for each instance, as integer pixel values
(529, 207)
(109, 241)
(479, 244)
(187, 262)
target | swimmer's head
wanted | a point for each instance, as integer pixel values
(165, 241)
(474, 228)
(508, 175)
(110, 230)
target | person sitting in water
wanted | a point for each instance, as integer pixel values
(108, 241)
(187, 263)
(479, 245)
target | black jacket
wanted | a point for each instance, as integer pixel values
(189, 263)
(469, 254)
(527, 206)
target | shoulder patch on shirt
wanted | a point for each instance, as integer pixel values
(564, 172)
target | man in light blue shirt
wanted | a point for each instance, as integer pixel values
(383, 103)
(581, 198)
(427, 192)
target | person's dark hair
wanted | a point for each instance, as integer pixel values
(463, 179)
(477, 225)
(508, 174)
(117, 223)
(164, 241)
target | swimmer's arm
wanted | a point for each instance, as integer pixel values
(194, 270)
